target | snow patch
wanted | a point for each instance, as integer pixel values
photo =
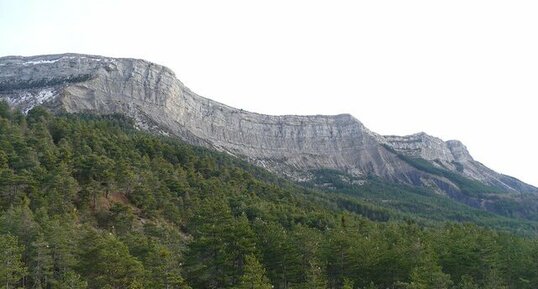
(43, 96)
(40, 62)
(28, 100)
(35, 62)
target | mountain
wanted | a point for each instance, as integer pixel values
(89, 199)
(89, 202)
(297, 147)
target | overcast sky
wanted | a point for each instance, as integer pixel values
(464, 70)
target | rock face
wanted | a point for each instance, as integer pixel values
(453, 156)
(289, 145)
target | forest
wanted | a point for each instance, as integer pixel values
(91, 202)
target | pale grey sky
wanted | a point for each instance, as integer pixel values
(455, 69)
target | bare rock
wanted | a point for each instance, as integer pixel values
(289, 145)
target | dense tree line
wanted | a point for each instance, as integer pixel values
(89, 202)
(381, 200)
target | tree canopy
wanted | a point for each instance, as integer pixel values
(91, 202)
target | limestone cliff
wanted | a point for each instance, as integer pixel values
(289, 145)
(452, 155)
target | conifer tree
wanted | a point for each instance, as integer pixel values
(12, 269)
(370, 286)
(494, 281)
(41, 269)
(315, 278)
(428, 274)
(72, 280)
(253, 275)
(209, 259)
(106, 261)
(429, 277)
(163, 269)
(348, 284)
(467, 282)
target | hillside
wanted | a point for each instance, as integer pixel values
(91, 202)
(297, 147)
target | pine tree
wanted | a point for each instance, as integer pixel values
(163, 269)
(370, 286)
(428, 275)
(72, 280)
(338, 254)
(5, 110)
(209, 259)
(494, 281)
(12, 187)
(12, 269)
(106, 261)
(253, 275)
(62, 237)
(4, 160)
(280, 255)
(60, 190)
(315, 277)
(348, 284)
(241, 242)
(467, 282)
(42, 263)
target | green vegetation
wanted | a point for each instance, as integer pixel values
(381, 201)
(89, 202)
(515, 205)
(469, 187)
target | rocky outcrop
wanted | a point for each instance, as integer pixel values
(426, 147)
(453, 156)
(289, 145)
